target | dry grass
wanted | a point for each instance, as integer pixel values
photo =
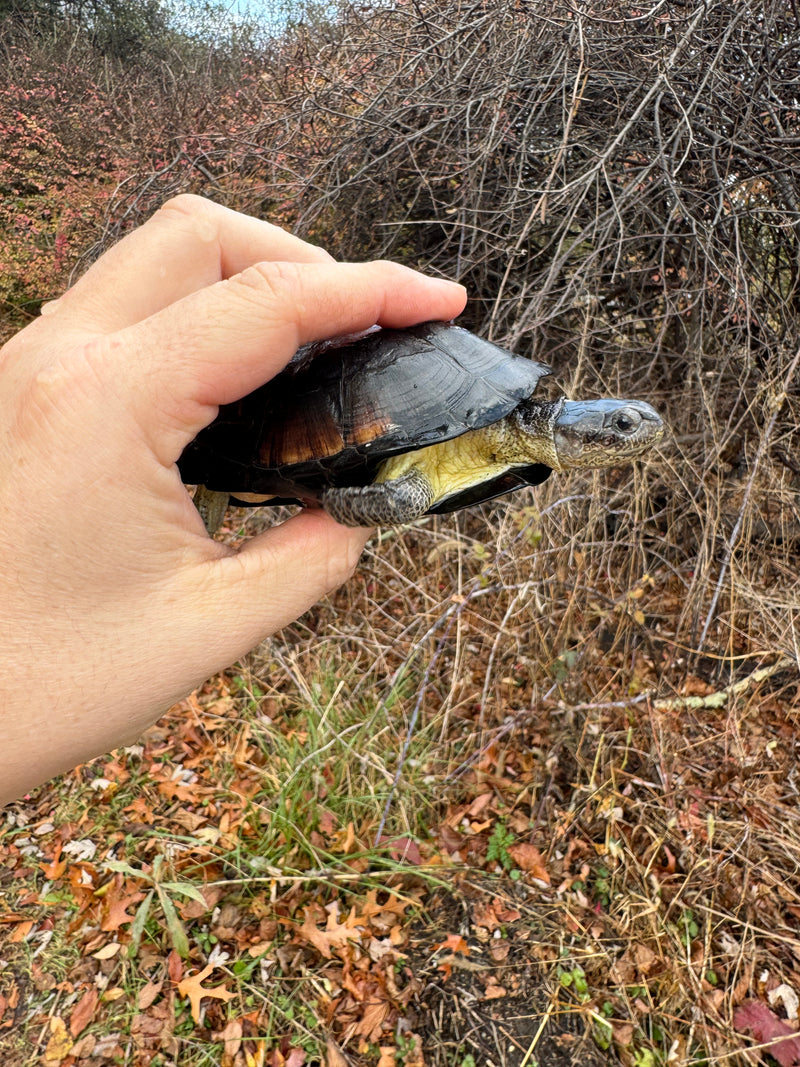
(550, 655)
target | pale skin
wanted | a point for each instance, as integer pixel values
(115, 602)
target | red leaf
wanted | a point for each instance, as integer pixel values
(403, 849)
(768, 1028)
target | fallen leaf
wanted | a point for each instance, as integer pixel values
(148, 994)
(84, 1047)
(174, 967)
(192, 988)
(372, 907)
(334, 1055)
(623, 1032)
(56, 867)
(479, 804)
(107, 951)
(644, 958)
(498, 950)
(455, 943)
(117, 911)
(494, 991)
(59, 1043)
(22, 931)
(334, 935)
(231, 1035)
(768, 1029)
(371, 1022)
(529, 859)
(788, 998)
(402, 849)
(83, 1011)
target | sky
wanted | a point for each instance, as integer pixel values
(264, 12)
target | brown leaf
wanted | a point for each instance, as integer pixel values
(232, 1037)
(192, 988)
(371, 1022)
(22, 931)
(334, 1055)
(403, 849)
(194, 909)
(644, 958)
(117, 913)
(335, 934)
(767, 1028)
(529, 859)
(84, 1047)
(56, 867)
(107, 951)
(84, 1009)
(623, 1032)
(498, 950)
(494, 990)
(148, 994)
(174, 967)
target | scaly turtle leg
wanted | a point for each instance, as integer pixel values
(212, 507)
(390, 503)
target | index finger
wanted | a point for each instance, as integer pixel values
(216, 346)
(187, 245)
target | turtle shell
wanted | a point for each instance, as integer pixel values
(332, 416)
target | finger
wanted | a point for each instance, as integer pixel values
(272, 580)
(187, 245)
(218, 345)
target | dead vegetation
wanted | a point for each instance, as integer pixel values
(578, 713)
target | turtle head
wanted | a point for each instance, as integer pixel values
(603, 433)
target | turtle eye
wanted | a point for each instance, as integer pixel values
(624, 422)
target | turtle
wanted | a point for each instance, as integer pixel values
(401, 423)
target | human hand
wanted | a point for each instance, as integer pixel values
(115, 602)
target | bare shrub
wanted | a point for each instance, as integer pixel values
(620, 191)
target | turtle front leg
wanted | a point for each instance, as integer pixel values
(390, 503)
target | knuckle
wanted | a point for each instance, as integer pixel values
(185, 205)
(277, 284)
(187, 211)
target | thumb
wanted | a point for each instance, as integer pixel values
(276, 576)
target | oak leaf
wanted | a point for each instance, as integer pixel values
(335, 934)
(193, 988)
(455, 943)
(768, 1029)
(371, 1022)
(117, 913)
